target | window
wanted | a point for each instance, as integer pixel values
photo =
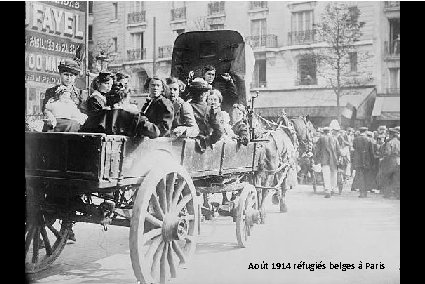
(353, 61)
(115, 10)
(217, 27)
(138, 6)
(258, 27)
(307, 71)
(137, 40)
(394, 45)
(302, 21)
(394, 79)
(90, 32)
(90, 7)
(115, 44)
(260, 77)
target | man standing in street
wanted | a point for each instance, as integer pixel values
(327, 153)
(390, 165)
(362, 161)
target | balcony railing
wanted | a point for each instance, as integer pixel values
(392, 4)
(136, 54)
(216, 8)
(178, 14)
(302, 37)
(269, 40)
(136, 17)
(258, 5)
(255, 85)
(392, 48)
(165, 51)
(393, 91)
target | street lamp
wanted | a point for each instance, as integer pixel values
(102, 61)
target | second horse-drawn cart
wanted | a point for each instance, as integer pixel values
(151, 186)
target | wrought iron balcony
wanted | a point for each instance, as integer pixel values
(136, 17)
(258, 5)
(392, 48)
(269, 40)
(178, 14)
(302, 37)
(393, 5)
(393, 91)
(165, 51)
(136, 54)
(216, 8)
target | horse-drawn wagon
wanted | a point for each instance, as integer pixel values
(149, 185)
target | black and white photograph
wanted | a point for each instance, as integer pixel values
(204, 142)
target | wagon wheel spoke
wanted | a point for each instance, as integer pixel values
(35, 245)
(182, 203)
(153, 220)
(163, 264)
(157, 207)
(171, 262)
(30, 235)
(156, 259)
(46, 241)
(171, 179)
(188, 217)
(153, 247)
(160, 189)
(179, 252)
(151, 235)
(178, 192)
(54, 231)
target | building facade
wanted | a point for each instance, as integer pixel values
(281, 34)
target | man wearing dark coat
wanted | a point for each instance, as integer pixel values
(362, 161)
(390, 165)
(327, 153)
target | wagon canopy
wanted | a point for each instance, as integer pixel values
(224, 49)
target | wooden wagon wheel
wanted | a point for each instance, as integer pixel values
(163, 224)
(45, 236)
(247, 214)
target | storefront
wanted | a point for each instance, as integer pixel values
(386, 111)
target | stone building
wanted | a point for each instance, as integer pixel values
(281, 35)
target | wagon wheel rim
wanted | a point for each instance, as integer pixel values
(247, 202)
(45, 237)
(162, 233)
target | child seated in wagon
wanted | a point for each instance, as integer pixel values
(62, 112)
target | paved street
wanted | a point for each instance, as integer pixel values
(343, 229)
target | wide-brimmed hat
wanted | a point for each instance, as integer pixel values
(69, 65)
(363, 129)
(326, 129)
(369, 133)
(199, 84)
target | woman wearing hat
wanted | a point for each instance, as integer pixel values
(97, 104)
(157, 113)
(210, 130)
(68, 71)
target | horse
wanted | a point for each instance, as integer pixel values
(277, 161)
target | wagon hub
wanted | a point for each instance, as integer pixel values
(174, 227)
(252, 216)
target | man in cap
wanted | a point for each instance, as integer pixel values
(390, 165)
(362, 161)
(68, 70)
(327, 153)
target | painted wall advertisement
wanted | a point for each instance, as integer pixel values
(54, 30)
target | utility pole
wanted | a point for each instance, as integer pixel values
(154, 48)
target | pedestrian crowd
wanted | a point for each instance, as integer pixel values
(372, 158)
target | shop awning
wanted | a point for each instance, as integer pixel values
(386, 108)
(314, 102)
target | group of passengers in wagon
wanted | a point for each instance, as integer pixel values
(204, 114)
